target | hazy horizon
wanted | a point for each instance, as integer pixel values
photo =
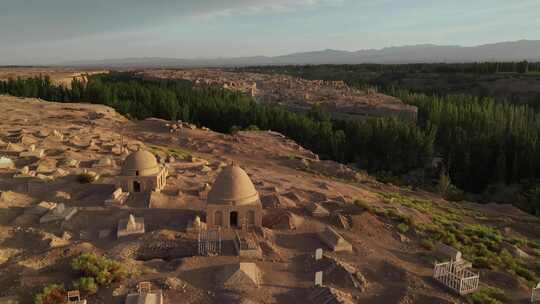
(39, 32)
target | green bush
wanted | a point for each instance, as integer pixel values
(252, 128)
(525, 273)
(51, 294)
(86, 284)
(363, 205)
(235, 129)
(488, 295)
(427, 244)
(104, 271)
(402, 227)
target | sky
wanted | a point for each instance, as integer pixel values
(55, 31)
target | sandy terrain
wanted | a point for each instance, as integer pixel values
(395, 267)
(59, 76)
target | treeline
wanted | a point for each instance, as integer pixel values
(482, 141)
(379, 144)
(308, 71)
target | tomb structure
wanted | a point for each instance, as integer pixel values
(145, 295)
(316, 210)
(59, 213)
(130, 226)
(329, 295)
(142, 173)
(535, 295)
(118, 198)
(233, 201)
(456, 274)
(334, 240)
(6, 163)
(247, 246)
(74, 297)
(104, 162)
(33, 152)
(41, 208)
(195, 225)
(239, 276)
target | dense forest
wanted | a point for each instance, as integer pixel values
(379, 144)
(482, 142)
(522, 67)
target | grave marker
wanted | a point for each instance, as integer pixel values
(318, 254)
(318, 278)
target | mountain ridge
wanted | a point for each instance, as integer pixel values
(421, 53)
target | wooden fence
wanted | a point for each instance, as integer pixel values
(456, 276)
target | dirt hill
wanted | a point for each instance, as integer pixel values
(394, 231)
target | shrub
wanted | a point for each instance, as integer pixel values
(51, 294)
(427, 244)
(402, 227)
(104, 271)
(86, 178)
(444, 183)
(488, 295)
(86, 284)
(537, 266)
(525, 273)
(481, 262)
(235, 129)
(252, 128)
(363, 205)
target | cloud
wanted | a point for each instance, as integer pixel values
(25, 21)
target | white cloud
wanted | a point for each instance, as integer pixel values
(38, 20)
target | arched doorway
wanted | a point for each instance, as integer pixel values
(136, 186)
(233, 219)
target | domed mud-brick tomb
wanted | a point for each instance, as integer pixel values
(142, 173)
(233, 201)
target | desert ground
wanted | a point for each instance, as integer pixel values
(58, 75)
(386, 265)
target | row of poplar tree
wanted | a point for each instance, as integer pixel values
(482, 142)
(378, 144)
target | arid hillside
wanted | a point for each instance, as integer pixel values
(296, 93)
(395, 233)
(59, 76)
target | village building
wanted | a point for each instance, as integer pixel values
(233, 201)
(141, 172)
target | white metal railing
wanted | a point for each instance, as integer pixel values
(535, 295)
(210, 242)
(456, 276)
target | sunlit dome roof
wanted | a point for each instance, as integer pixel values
(233, 187)
(140, 163)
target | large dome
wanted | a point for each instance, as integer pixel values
(233, 187)
(140, 163)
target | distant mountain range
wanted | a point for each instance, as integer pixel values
(424, 53)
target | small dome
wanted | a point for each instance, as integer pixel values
(233, 187)
(140, 163)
